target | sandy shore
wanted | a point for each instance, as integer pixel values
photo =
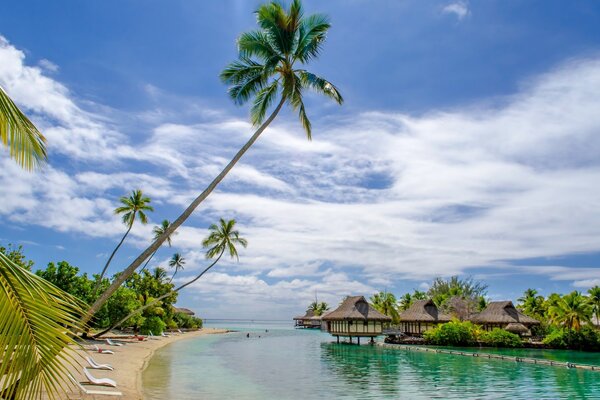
(129, 361)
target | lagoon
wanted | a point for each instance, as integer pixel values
(285, 363)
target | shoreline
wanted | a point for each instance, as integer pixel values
(129, 362)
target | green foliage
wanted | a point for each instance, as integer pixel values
(121, 304)
(587, 338)
(500, 338)
(185, 321)
(453, 333)
(318, 308)
(594, 301)
(385, 303)
(442, 290)
(15, 254)
(571, 311)
(153, 324)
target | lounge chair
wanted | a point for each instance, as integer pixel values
(99, 381)
(92, 392)
(103, 351)
(95, 365)
(164, 334)
(179, 330)
(110, 342)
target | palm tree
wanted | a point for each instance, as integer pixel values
(133, 207)
(265, 71)
(385, 303)
(177, 262)
(318, 308)
(26, 144)
(158, 230)
(594, 300)
(405, 301)
(222, 238)
(571, 310)
(37, 323)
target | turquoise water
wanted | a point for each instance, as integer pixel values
(284, 363)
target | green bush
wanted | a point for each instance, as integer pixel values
(153, 324)
(185, 321)
(454, 333)
(585, 339)
(500, 338)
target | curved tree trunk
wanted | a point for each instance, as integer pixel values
(153, 302)
(147, 261)
(180, 220)
(112, 255)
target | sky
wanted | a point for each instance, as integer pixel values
(467, 145)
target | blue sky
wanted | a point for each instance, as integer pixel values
(467, 145)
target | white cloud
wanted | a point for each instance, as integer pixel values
(458, 8)
(48, 65)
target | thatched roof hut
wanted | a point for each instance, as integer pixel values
(518, 328)
(501, 313)
(356, 308)
(308, 315)
(186, 311)
(424, 311)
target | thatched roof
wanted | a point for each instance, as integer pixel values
(516, 327)
(309, 314)
(502, 312)
(424, 311)
(184, 311)
(355, 308)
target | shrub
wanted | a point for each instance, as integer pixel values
(585, 339)
(500, 338)
(186, 321)
(153, 324)
(454, 333)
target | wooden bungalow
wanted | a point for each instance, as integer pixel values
(422, 315)
(355, 318)
(308, 320)
(503, 314)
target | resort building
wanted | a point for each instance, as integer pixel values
(421, 316)
(182, 310)
(355, 318)
(503, 314)
(308, 320)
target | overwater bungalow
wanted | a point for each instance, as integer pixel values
(421, 316)
(503, 314)
(355, 317)
(308, 320)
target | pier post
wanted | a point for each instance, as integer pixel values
(358, 339)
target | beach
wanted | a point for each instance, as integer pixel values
(128, 361)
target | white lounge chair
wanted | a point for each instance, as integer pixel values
(92, 392)
(110, 342)
(179, 330)
(103, 351)
(95, 365)
(99, 381)
(164, 334)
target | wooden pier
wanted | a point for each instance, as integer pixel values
(527, 360)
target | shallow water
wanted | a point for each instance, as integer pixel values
(284, 363)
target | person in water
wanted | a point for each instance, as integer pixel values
(247, 335)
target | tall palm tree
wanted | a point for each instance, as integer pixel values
(134, 207)
(158, 230)
(571, 311)
(222, 238)
(594, 300)
(26, 144)
(266, 70)
(405, 301)
(385, 303)
(177, 262)
(318, 308)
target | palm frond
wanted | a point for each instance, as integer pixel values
(320, 85)
(240, 71)
(297, 103)
(311, 36)
(256, 44)
(36, 321)
(273, 19)
(26, 144)
(263, 100)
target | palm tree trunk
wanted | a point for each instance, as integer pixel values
(147, 261)
(111, 257)
(180, 220)
(173, 276)
(141, 309)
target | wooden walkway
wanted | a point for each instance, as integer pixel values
(527, 360)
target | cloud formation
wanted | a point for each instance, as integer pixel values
(459, 8)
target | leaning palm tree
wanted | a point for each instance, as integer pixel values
(177, 262)
(158, 230)
(267, 72)
(221, 239)
(594, 301)
(385, 303)
(37, 322)
(26, 144)
(133, 208)
(571, 311)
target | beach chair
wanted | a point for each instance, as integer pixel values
(98, 381)
(164, 334)
(151, 335)
(95, 365)
(110, 342)
(179, 330)
(103, 351)
(83, 390)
